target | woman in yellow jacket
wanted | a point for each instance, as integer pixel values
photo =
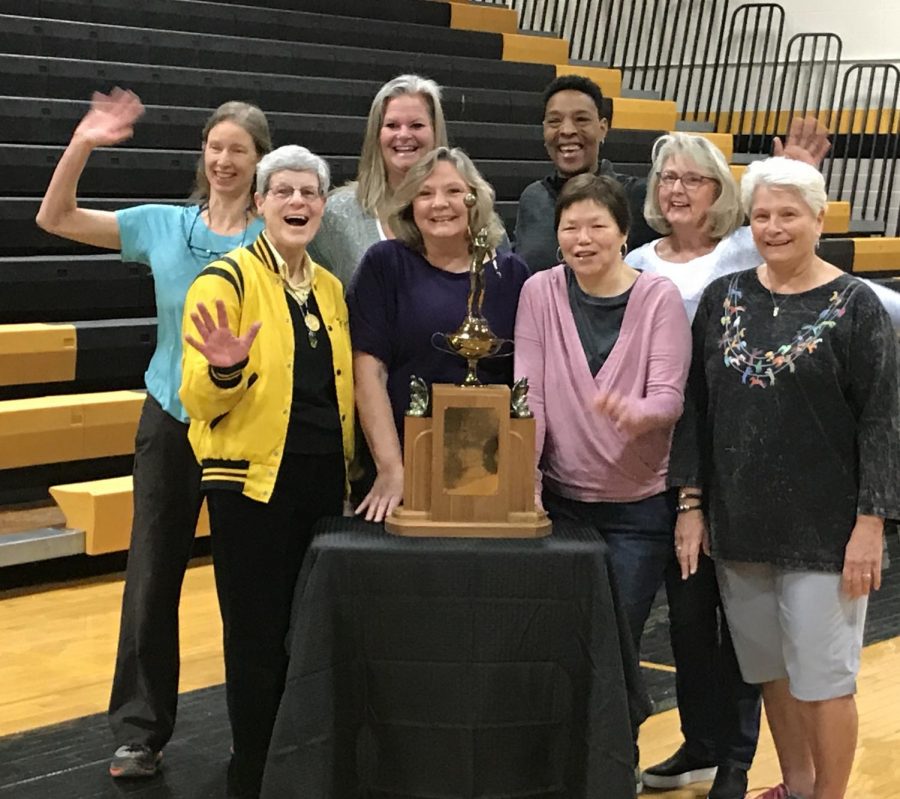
(268, 385)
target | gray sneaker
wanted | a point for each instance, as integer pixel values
(134, 761)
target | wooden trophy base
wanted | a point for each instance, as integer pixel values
(469, 469)
(535, 524)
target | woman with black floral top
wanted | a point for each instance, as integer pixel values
(788, 454)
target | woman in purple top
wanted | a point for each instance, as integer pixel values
(409, 288)
(606, 351)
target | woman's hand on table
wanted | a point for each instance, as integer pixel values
(385, 495)
(218, 344)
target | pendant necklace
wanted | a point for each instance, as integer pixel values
(776, 307)
(301, 293)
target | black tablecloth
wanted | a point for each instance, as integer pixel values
(455, 668)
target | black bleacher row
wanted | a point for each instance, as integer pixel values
(40, 121)
(168, 173)
(325, 27)
(305, 57)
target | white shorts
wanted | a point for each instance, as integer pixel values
(794, 625)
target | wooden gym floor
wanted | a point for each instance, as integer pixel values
(57, 646)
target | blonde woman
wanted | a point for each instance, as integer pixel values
(405, 122)
(413, 286)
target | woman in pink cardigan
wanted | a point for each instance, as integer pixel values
(606, 351)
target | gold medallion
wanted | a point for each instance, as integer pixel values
(312, 323)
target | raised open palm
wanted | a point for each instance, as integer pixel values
(111, 118)
(218, 344)
(807, 141)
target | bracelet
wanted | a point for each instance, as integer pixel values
(682, 508)
(682, 495)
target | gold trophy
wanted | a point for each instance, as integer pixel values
(474, 338)
(468, 456)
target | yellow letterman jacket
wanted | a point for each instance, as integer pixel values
(239, 417)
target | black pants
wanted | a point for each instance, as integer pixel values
(166, 504)
(719, 711)
(258, 549)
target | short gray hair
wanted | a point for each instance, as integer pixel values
(295, 158)
(482, 214)
(725, 214)
(785, 173)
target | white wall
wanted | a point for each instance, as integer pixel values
(869, 28)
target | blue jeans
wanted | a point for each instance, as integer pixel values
(719, 711)
(639, 536)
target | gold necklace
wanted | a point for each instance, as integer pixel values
(301, 292)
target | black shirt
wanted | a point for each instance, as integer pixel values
(791, 421)
(315, 423)
(598, 320)
(535, 235)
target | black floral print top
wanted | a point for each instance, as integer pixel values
(792, 419)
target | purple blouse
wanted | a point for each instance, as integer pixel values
(398, 300)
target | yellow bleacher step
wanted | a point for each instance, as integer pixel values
(104, 510)
(70, 427)
(37, 353)
(609, 80)
(724, 141)
(837, 217)
(876, 254)
(534, 49)
(636, 114)
(468, 17)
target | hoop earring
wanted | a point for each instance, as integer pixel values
(559, 256)
(624, 250)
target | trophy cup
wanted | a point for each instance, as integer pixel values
(468, 456)
(474, 338)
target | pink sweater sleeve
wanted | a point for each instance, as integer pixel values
(529, 361)
(669, 358)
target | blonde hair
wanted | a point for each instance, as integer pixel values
(785, 173)
(725, 215)
(372, 188)
(481, 215)
(252, 120)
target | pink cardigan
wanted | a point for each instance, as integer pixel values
(580, 454)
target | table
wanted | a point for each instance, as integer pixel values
(432, 668)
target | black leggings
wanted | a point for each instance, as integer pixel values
(258, 549)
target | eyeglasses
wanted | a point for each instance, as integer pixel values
(204, 253)
(690, 180)
(284, 192)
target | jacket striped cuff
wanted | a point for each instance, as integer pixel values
(227, 376)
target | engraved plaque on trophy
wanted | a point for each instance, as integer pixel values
(468, 456)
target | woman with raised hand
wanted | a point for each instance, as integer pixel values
(417, 284)
(175, 242)
(405, 122)
(268, 384)
(788, 454)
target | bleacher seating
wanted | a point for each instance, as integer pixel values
(74, 319)
(103, 509)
